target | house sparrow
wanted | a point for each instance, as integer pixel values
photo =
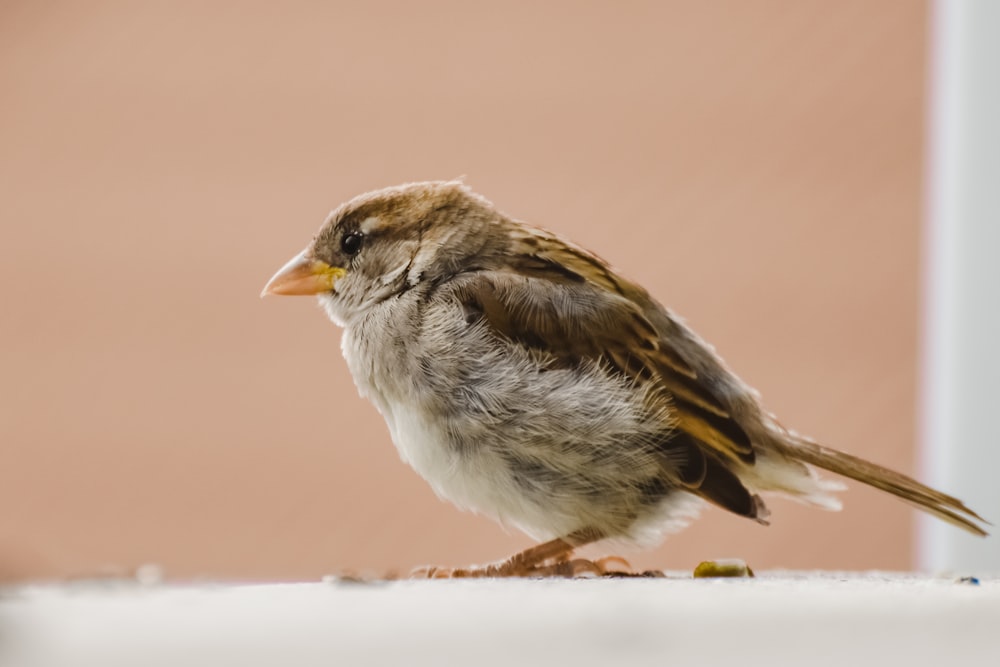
(526, 380)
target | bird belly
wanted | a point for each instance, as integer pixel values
(478, 481)
(549, 453)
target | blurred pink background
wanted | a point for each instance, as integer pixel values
(757, 165)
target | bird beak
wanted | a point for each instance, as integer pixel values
(303, 275)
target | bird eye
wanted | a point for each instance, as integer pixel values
(351, 243)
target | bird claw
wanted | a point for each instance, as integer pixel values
(560, 567)
(550, 559)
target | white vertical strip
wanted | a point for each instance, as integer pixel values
(961, 379)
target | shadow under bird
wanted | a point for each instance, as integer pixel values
(526, 380)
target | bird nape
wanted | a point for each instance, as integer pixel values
(525, 379)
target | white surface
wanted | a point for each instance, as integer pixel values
(962, 368)
(770, 620)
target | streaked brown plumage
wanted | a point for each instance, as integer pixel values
(527, 380)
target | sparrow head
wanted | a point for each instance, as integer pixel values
(387, 241)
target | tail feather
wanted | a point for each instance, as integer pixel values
(941, 505)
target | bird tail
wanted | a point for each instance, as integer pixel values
(941, 505)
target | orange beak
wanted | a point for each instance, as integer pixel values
(303, 275)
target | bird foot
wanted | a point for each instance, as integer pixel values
(559, 567)
(549, 559)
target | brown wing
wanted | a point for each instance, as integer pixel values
(542, 301)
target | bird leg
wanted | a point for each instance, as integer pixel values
(549, 559)
(522, 564)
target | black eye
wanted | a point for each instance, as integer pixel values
(351, 243)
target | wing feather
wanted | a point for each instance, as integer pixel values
(545, 303)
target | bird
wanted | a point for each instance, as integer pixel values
(527, 380)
